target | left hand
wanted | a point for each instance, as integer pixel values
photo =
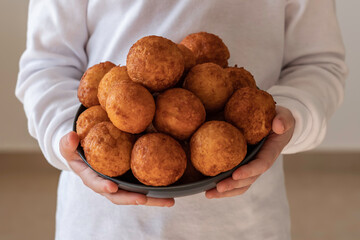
(242, 178)
(104, 187)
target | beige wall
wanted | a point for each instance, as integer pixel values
(344, 128)
(13, 128)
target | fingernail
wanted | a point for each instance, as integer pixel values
(282, 128)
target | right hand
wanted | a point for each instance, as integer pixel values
(107, 188)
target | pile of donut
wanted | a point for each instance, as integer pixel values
(174, 111)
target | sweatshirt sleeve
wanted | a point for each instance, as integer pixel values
(50, 70)
(312, 79)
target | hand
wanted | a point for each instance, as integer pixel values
(242, 178)
(107, 188)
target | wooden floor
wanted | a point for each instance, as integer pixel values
(324, 196)
(323, 191)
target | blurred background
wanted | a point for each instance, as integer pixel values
(323, 185)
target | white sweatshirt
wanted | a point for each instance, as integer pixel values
(292, 47)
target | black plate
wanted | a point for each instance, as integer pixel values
(130, 183)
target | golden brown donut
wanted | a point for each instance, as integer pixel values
(252, 111)
(155, 62)
(157, 159)
(207, 47)
(189, 57)
(240, 77)
(115, 75)
(217, 147)
(178, 113)
(209, 82)
(89, 118)
(108, 150)
(130, 107)
(88, 88)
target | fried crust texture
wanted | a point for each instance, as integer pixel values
(108, 149)
(130, 107)
(240, 77)
(115, 75)
(157, 159)
(88, 87)
(209, 82)
(178, 113)
(207, 47)
(217, 147)
(252, 111)
(155, 62)
(89, 118)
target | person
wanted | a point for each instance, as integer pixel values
(292, 47)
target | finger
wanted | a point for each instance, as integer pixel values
(91, 179)
(213, 193)
(160, 202)
(122, 197)
(264, 159)
(283, 120)
(278, 125)
(229, 184)
(68, 145)
(254, 168)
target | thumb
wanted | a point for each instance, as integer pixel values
(68, 146)
(283, 121)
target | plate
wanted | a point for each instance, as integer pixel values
(129, 183)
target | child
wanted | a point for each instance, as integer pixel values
(292, 47)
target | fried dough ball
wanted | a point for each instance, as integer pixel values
(108, 150)
(217, 147)
(88, 88)
(89, 118)
(209, 82)
(130, 107)
(189, 57)
(240, 77)
(157, 159)
(155, 62)
(115, 75)
(178, 113)
(207, 47)
(252, 111)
